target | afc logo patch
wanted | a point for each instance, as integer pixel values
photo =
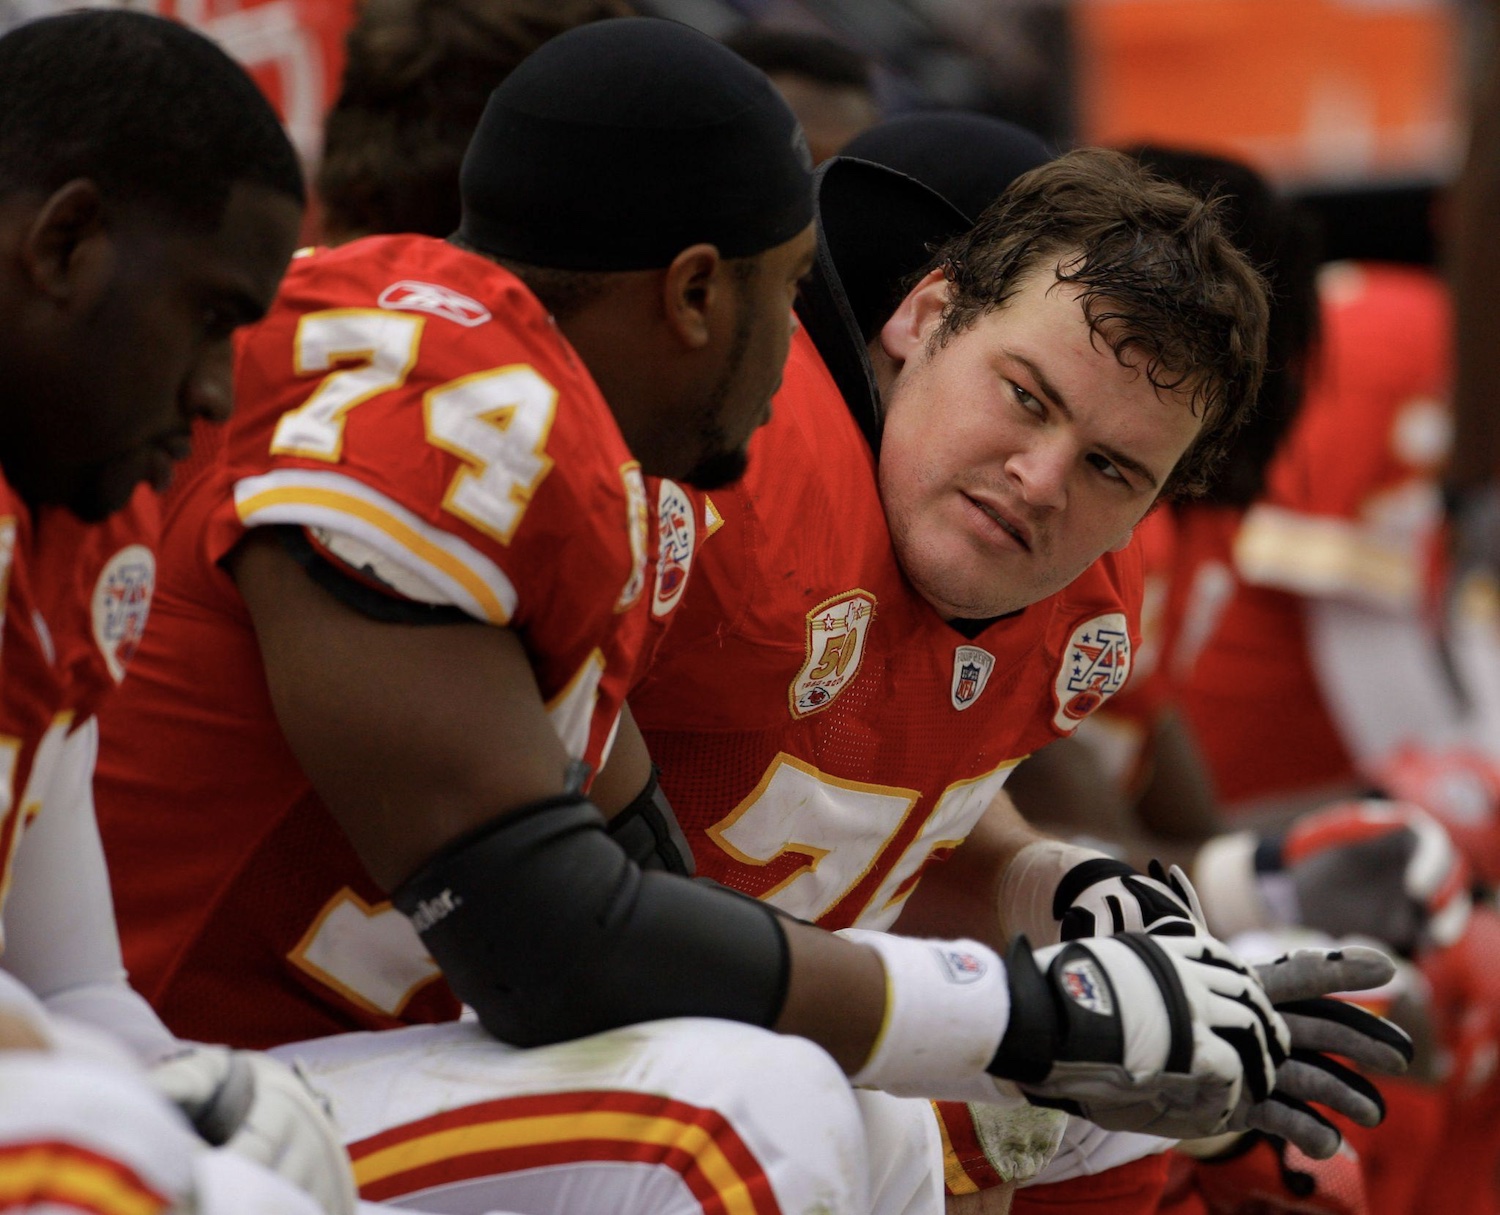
(1095, 665)
(971, 671)
(836, 633)
(121, 603)
(678, 527)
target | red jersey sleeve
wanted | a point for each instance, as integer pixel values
(1351, 503)
(415, 409)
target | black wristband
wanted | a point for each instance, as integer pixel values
(1029, 1047)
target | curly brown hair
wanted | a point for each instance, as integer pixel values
(416, 80)
(1161, 284)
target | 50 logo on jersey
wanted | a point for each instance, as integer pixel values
(836, 632)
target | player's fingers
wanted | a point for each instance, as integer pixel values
(1296, 1122)
(1315, 972)
(1309, 1076)
(1348, 1030)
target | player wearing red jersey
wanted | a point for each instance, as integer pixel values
(426, 466)
(1335, 559)
(859, 746)
(535, 917)
(148, 204)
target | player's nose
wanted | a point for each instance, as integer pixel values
(1040, 471)
(208, 388)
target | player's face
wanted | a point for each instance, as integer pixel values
(121, 388)
(1018, 453)
(755, 355)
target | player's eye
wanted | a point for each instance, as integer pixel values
(1028, 402)
(1107, 468)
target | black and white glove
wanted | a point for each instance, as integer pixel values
(1102, 897)
(1054, 891)
(1162, 1035)
(257, 1107)
(1171, 1036)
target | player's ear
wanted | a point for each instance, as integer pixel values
(916, 317)
(693, 287)
(67, 251)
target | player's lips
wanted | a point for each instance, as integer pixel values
(1003, 519)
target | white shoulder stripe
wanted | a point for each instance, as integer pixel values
(312, 498)
(1320, 555)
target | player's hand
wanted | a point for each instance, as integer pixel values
(1298, 985)
(1103, 896)
(1385, 870)
(1460, 787)
(255, 1106)
(1165, 1035)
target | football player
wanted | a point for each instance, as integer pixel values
(149, 202)
(426, 467)
(435, 555)
(865, 742)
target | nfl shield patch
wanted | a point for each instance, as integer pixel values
(1096, 664)
(971, 671)
(121, 603)
(836, 632)
(677, 523)
(962, 966)
(1087, 987)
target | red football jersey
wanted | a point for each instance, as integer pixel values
(822, 733)
(1351, 509)
(76, 596)
(415, 410)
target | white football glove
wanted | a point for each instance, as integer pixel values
(1163, 1035)
(1101, 895)
(256, 1106)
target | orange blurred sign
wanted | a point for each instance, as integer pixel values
(1307, 90)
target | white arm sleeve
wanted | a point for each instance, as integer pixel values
(1382, 677)
(60, 935)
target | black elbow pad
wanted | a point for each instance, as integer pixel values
(544, 927)
(648, 832)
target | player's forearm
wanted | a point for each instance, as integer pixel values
(961, 896)
(836, 994)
